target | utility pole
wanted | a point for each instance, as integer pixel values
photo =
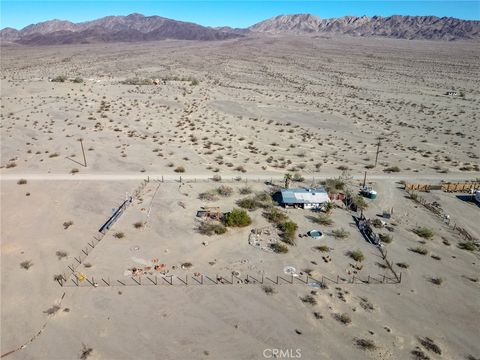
(378, 151)
(83, 152)
(364, 180)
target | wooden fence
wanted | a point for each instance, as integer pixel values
(447, 187)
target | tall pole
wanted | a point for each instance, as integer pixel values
(364, 179)
(83, 152)
(378, 151)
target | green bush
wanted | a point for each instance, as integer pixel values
(77, 80)
(322, 248)
(392, 169)
(237, 218)
(361, 203)
(467, 245)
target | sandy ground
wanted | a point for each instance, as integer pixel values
(262, 107)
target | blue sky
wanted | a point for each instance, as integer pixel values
(19, 13)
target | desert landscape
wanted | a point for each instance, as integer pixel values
(190, 141)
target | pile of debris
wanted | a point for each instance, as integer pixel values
(263, 238)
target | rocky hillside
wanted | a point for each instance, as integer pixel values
(134, 27)
(400, 27)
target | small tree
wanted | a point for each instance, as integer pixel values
(288, 180)
(237, 218)
(288, 229)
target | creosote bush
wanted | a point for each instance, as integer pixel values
(357, 255)
(340, 233)
(344, 318)
(424, 232)
(323, 219)
(279, 248)
(210, 228)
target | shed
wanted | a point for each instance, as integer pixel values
(304, 198)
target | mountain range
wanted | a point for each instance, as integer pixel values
(137, 27)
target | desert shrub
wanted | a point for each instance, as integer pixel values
(217, 178)
(322, 248)
(309, 299)
(61, 254)
(414, 196)
(138, 224)
(59, 78)
(186, 265)
(77, 80)
(264, 197)
(340, 233)
(275, 216)
(67, 224)
(267, 289)
(288, 229)
(179, 169)
(334, 185)
(21, 182)
(344, 318)
(245, 190)
(237, 218)
(279, 247)
(86, 352)
(53, 310)
(323, 219)
(436, 280)
(10, 165)
(209, 228)
(467, 245)
(194, 82)
(430, 345)
(365, 344)
(361, 203)
(224, 191)
(403, 265)
(248, 203)
(298, 178)
(420, 250)
(386, 238)
(357, 255)
(74, 171)
(377, 223)
(119, 235)
(208, 196)
(392, 169)
(26, 264)
(423, 232)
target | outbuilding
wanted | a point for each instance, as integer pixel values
(305, 198)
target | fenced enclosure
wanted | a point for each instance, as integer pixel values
(191, 280)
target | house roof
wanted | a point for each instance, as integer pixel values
(304, 196)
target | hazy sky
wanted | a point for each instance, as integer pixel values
(19, 13)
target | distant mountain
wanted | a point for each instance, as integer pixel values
(399, 27)
(136, 27)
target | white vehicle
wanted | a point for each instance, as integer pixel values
(476, 196)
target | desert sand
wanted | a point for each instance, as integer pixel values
(248, 111)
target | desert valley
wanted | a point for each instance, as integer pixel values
(183, 149)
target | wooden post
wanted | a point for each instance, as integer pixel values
(378, 151)
(83, 152)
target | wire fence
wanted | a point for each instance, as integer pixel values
(191, 280)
